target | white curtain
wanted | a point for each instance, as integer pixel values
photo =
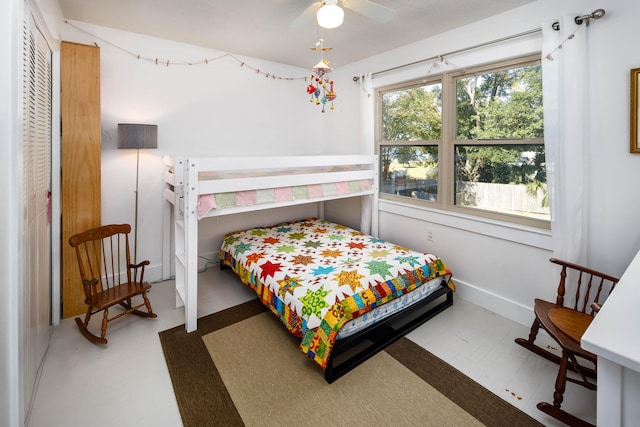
(366, 143)
(564, 71)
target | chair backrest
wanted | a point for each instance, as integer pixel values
(103, 258)
(587, 288)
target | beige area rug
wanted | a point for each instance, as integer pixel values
(241, 367)
(256, 356)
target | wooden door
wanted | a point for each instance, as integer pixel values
(80, 160)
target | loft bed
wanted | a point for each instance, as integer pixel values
(197, 188)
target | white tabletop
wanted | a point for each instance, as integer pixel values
(615, 332)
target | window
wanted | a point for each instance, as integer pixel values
(410, 170)
(411, 115)
(469, 141)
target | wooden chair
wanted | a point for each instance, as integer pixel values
(108, 277)
(566, 321)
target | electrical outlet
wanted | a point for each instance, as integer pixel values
(429, 234)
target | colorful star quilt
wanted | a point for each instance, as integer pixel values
(316, 275)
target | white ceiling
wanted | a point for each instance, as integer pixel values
(263, 28)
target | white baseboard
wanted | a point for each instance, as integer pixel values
(153, 273)
(504, 307)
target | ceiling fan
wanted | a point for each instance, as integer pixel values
(330, 15)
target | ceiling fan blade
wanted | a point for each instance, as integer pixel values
(370, 9)
(307, 16)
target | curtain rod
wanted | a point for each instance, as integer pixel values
(453, 52)
(596, 14)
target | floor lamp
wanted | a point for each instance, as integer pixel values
(138, 137)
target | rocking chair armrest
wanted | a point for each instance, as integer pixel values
(141, 264)
(91, 282)
(139, 268)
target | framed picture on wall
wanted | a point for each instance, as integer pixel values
(635, 112)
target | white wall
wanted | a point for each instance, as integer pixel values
(504, 268)
(10, 131)
(215, 109)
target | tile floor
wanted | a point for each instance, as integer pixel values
(126, 383)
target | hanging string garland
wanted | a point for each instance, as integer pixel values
(549, 56)
(320, 87)
(167, 62)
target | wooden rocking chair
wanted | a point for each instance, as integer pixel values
(566, 324)
(108, 277)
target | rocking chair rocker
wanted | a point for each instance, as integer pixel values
(566, 324)
(108, 277)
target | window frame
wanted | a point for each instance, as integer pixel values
(446, 145)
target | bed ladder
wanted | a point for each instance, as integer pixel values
(186, 242)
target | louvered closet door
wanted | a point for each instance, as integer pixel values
(36, 191)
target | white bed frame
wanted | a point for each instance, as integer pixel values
(182, 189)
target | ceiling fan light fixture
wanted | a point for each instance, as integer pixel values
(330, 15)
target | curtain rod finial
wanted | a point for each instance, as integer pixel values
(596, 14)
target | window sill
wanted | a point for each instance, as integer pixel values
(531, 236)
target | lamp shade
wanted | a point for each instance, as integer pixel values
(137, 136)
(330, 15)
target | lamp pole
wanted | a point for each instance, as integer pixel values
(137, 136)
(135, 223)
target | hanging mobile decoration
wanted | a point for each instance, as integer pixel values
(321, 87)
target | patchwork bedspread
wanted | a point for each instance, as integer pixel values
(316, 275)
(207, 202)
